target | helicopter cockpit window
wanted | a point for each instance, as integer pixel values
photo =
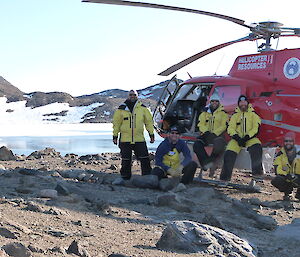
(228, 94)
(192, 91)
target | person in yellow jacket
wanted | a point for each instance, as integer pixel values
(287, 168)
(243, 128)
(129, 121)
(212, 126)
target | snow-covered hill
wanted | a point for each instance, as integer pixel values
(17, 107)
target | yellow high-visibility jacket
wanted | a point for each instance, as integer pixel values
(243, 123)
(282, 165)
(215, 122)
(131, 125)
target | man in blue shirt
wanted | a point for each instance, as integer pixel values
(167, 158)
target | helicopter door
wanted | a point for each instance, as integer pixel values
(164, 103)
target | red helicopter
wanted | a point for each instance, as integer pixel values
(270, 79)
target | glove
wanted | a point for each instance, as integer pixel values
(203, 137)
(236, 137)
(152, 139)
(174, 172)
(245, 139)
(239, 140)
(115, 140)
(206, 134)
(290, 178)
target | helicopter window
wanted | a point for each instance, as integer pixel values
(278, 116)
(193, 91)
(228, 94)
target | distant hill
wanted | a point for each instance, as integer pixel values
(11, 92)
(60, 107)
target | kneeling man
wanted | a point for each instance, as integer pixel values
(287, 168)
(167, 158)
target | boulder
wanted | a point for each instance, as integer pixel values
(289, 232)
(76, 248)
(167, 184)
(147, 181)
(193, 237)
(17, 250)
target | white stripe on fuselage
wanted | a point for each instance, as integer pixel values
(281, 125)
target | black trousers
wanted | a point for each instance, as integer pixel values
(218, 143)
(255, 152)
(285, 186)
(188, 172)
(141, 152)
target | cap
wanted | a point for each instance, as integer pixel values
(174, 128)
(214, 97)
(243, 98)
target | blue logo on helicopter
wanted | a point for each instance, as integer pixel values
(291, 68)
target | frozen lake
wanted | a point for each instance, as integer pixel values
(80, 139)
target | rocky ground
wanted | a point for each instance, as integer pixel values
(69, 206)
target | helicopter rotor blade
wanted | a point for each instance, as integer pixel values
(295, 30)
(197, 56)
(167, 7)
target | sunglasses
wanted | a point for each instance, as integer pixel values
(214, 101)
(132, 94)
(174, 133)
(288, 140)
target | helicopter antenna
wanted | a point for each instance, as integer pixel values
(277, 43)
(219, 64)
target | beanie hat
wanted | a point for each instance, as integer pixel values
(243, 98)
(214, 97)
(291, 135)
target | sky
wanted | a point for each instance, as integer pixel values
(84, 48)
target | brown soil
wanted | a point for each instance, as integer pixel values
(126, 222)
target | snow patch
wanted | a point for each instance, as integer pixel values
(27, 115)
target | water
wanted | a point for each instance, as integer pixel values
(80, 139)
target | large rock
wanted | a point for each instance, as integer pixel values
(147, 181)
(45, 152)
(289, 232)
(17, 250)
(7, 233)
(199, 238)
(77, 249)
(167, 184)
(262, 222)
(6, 154)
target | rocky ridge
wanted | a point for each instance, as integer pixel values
(109, 100)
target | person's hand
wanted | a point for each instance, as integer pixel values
(245, 139)
(239, 140)
(115, 140)
(290, 177)
(236, 137)
(206, 134)
(174, 172)
(152, 139)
